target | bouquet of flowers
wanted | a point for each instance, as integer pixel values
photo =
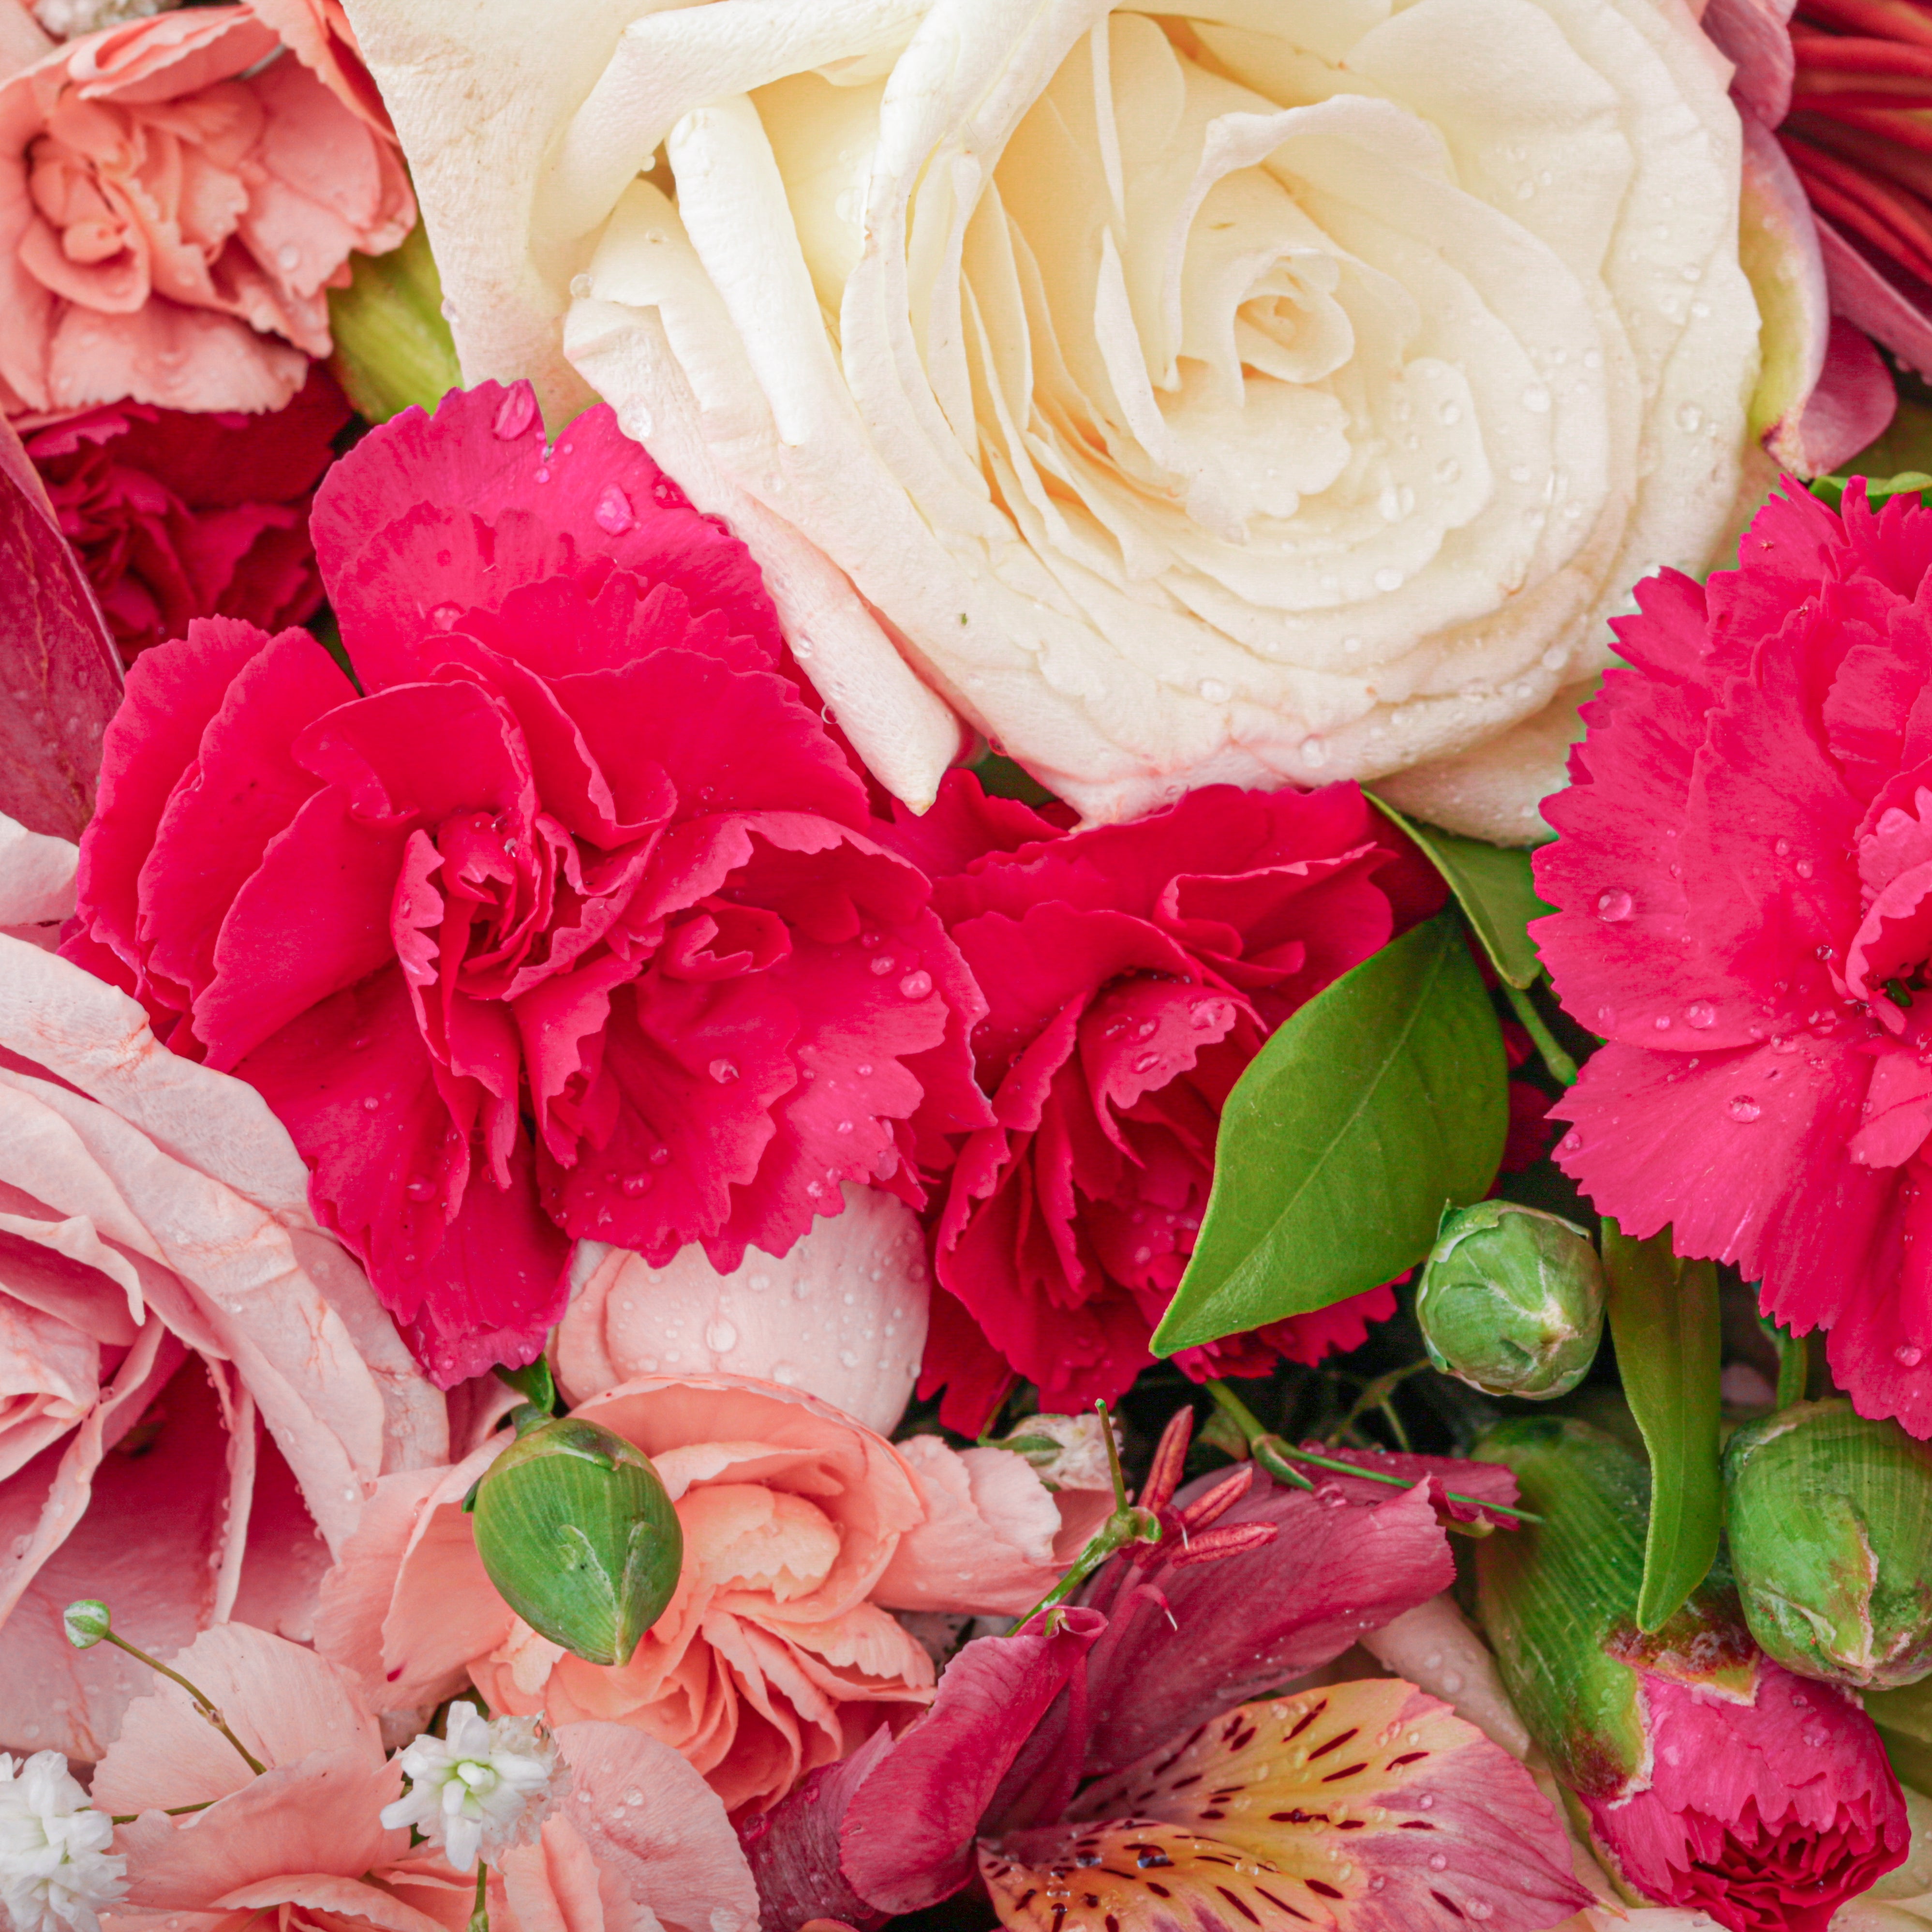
(965, 963)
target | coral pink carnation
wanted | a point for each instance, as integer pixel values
(176, 199)
(516, 951)
(177, 515)
(1768, 1814)
(1132, 973)
(771, 1659)
(1744, 885)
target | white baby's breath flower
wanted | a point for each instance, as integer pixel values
(55, 1870)
(486, 1785)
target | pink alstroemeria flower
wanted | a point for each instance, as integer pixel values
(1102, 1767)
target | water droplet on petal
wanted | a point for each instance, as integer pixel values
(1314, 752)
(444, 616)
(1614, 905)
(723, 1071)
(1908, 1356)
(288, 256)
(420, 1189)
(515, 412)
(1388, 578)
(1214, 690)
(916, 985)
(883, 965)
(635, 1184)
(614, 514)
(1690, 418)
(1701, 1013)
(721, 1337)
(1536, 399)
(1571, 1143)
(1438, 1861)
(1742, 1107)
(369, 1103)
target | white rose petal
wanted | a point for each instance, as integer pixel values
(56, 1871)
(1285, 395)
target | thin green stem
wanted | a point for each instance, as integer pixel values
(1562, 1068)
(479, 1916)
(202, 1702)
(1376, 1395)
(1269, 1450)
(1125, 1526)
(171, 1811)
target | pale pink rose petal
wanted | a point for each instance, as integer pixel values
(318, 1815)
(842, 1314)
(675, 1851)
(36, 876)
(995, 1539)
(282, 1701)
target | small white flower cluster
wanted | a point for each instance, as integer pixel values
(68, 20)
(55, 1870)
(485, 1785)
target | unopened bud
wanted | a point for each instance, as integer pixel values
(1829, 1514)
(577, 1535)
(1511, 1300)
(86, 1622)
(393, 347)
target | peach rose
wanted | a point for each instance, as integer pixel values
(635, 1827)
(176, 196)
(772, 1658)
(197, 1386)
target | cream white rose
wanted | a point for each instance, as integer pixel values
(1256, 390)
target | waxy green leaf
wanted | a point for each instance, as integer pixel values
(1664, 1322)
(1493, 886)
(1383, 1097)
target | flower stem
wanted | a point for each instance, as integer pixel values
(172, 1811)
(1562, 1068)
(479, 1916)
(1126, 1524)
(202, 1702)
(1274, 1455)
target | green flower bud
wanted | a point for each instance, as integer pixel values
(575, 1529)
(1511, 1300)
(1829, 1515)
(86, 1622)
(392, 347)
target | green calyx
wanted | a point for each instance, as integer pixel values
(1829, 1515)
(393, 347)
(1511, 1300)
(577, 1535)
(1558, 1600)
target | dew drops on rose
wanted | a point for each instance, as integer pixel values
(1908, 1356)
(723, 1071)
(1614, 905)
(1700, 1013)
(1742, 1107)
(917, 985)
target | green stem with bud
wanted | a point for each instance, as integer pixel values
(202, 1702)
(1273, 1455)
(479, 1916)
(1562, 1068)
(1126, 1524)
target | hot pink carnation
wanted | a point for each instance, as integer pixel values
(1744, 881)
(572, 926)
(176, 197)
(1768, 1814)
(1132, 972)
(177, 515)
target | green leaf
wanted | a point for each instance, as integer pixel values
(1383, 1097)
(1878, 490)
(1493, 886)
(1664, 1322)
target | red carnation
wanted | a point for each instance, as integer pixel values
(1744, 881)
(1131, 972)
(177, 516)
(571, 926)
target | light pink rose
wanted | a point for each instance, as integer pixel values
(636, 1828)
(176, 196)
(772, 1658)
(197, 1387)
